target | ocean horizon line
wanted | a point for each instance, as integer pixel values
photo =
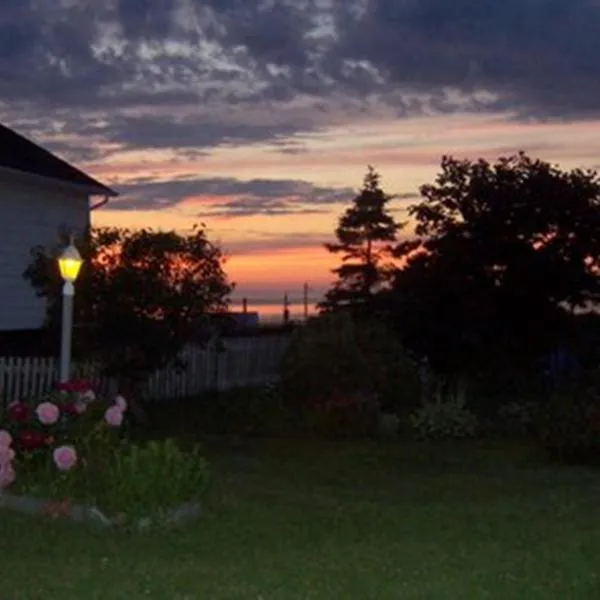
(274, 310)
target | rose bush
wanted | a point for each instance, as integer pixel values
(51, 443)
(69, 447)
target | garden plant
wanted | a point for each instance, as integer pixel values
(71, 447)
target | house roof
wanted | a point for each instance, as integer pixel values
(20, 154)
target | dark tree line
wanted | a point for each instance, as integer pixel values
(503, 254)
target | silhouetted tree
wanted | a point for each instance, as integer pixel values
(140, 297)
(502, 255)
(365, 233)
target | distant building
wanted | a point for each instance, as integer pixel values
(245, 320)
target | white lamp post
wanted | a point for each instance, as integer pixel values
(69, 263)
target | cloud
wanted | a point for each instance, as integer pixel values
(190, 132)
(540, 58)
(266, 242)
(197, 74)
(229, 197)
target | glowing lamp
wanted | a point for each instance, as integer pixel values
(69, 263)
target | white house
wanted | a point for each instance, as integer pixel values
(40, 195)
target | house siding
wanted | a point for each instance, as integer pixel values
(30, 215)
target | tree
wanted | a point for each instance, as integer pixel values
(365, 233)
(140, 297)
(503, 253)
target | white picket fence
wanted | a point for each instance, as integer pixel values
(240, 362)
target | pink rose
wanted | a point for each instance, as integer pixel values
(121, 403)
(113, 416)
(65, 457)
(5, 439)
(48, 413)
(6, 455)
(7, 475)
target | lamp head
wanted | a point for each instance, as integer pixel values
(69, 263)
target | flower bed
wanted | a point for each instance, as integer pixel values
(80, 512)
(68, 455)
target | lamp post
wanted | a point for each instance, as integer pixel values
(69, 263)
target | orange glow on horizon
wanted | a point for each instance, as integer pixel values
(406, 152)
(285, 266)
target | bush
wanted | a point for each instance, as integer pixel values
(334, 356)
(69, 447)
(341, 415)
(443, 419)
(257, 411)
(507, 394)
(569, 424)
(50, 444)
(517, 418)
(150, 479)
(251, 411)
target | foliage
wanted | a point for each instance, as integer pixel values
(256, 411)
(60, 439)
(443, 418)
(500, 251)
(140, 297)
(518, 418)
(264, 411)
(569, 423)
(322, 358)
(69, 447)
(342, 415)
(394, 373)
(365, 232)
(336, 356)
(151, 478)
(264, 414)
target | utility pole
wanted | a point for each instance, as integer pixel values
(286, 309)
(305, 296)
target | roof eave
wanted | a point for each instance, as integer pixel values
(89, 190)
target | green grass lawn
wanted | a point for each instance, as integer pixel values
(336, 521)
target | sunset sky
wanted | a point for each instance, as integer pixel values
(259, 118)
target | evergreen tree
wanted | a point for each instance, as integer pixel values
(365, 233)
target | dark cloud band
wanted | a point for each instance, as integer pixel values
(196, 74)
(231, 197)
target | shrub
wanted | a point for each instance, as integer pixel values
(151, 479)
(443, 419)
(517, 418)
(69, 447)
(55, 440)
(333, 355)
(263, 411)
(507, 395)
(244, 411)
(342, 415)
(257, 411)
(569, 424)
